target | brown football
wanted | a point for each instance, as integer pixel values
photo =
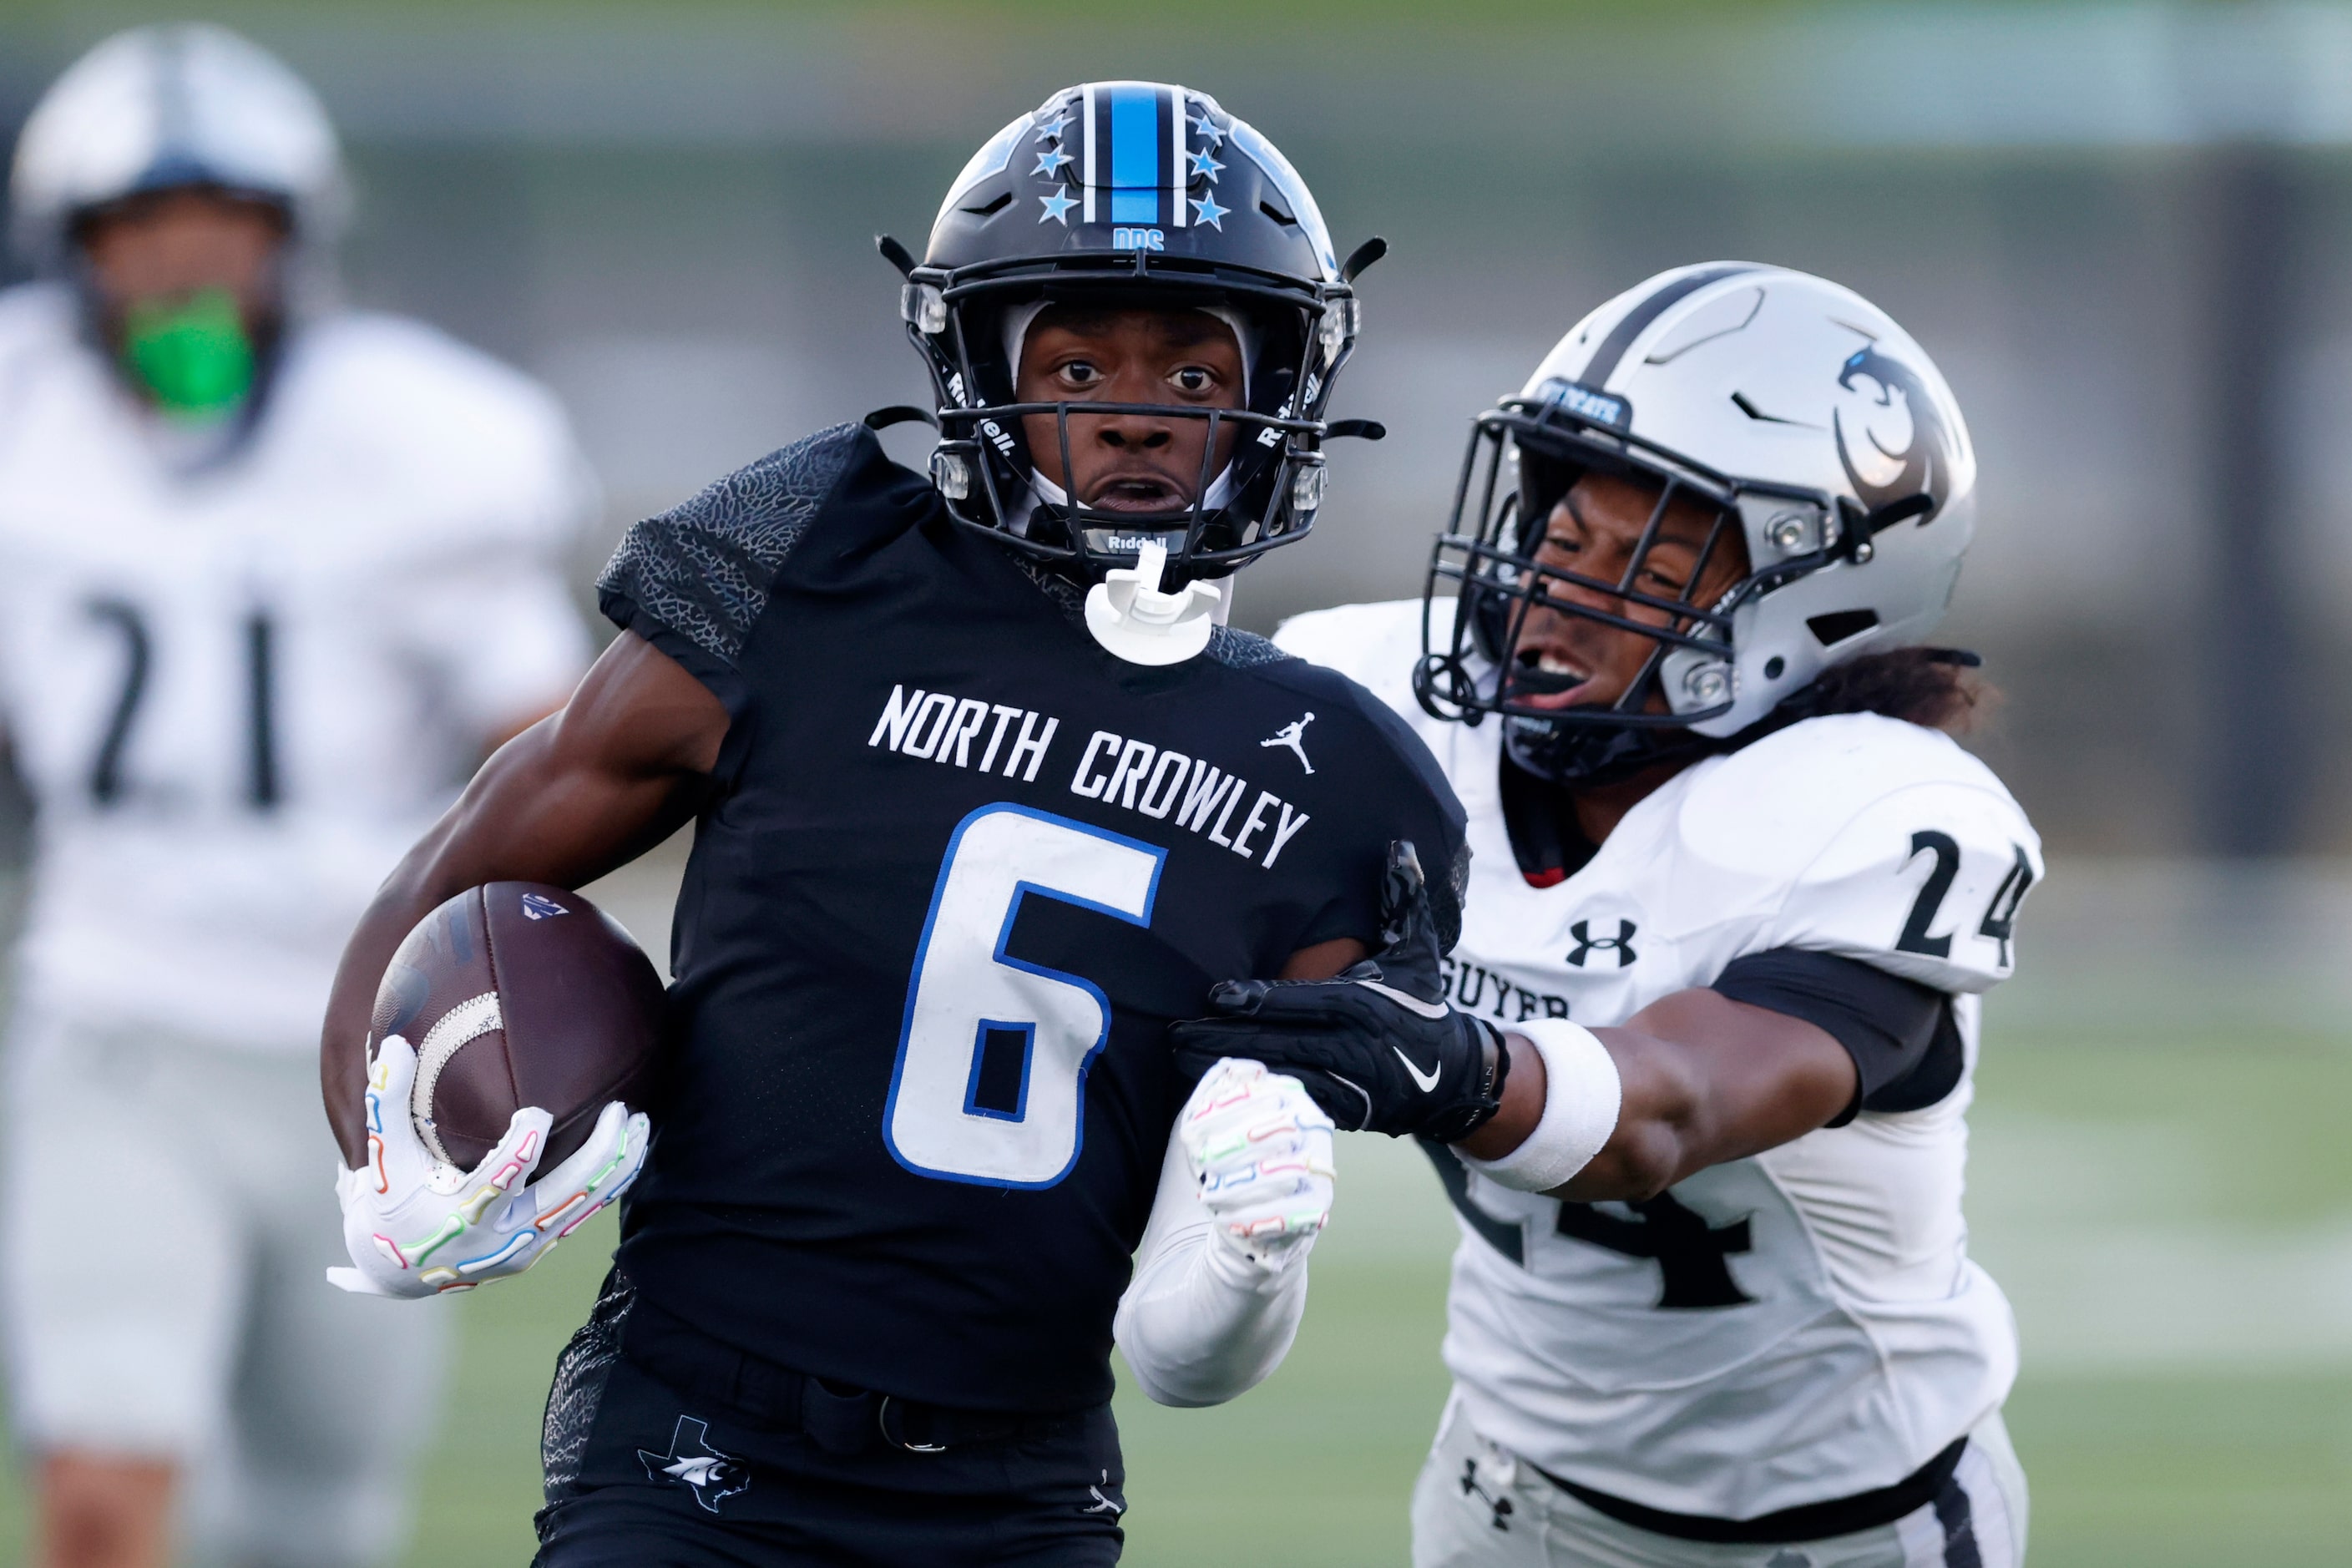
(513, 994)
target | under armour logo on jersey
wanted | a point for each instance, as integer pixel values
(1292, 735)
(1587, 944)
(692, 1462)
(1500, 1507)
(535, 906)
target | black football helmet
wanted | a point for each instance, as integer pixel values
(1134, 194)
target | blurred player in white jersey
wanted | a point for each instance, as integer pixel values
(1734, 899)
(273, 576)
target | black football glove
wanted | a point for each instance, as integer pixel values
(1376, 1044)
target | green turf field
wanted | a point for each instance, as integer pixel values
(2174, 1222)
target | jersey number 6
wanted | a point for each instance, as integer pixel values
(990, 1086)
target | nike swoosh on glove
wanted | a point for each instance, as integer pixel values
(1376, 1044)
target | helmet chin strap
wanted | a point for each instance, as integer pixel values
(1132, 618)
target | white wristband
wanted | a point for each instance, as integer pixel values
(1581, 1097)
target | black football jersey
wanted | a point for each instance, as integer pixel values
(961, 869)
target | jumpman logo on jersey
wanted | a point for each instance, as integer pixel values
(1292, 735)
(692, 1462)
(1104, 1502)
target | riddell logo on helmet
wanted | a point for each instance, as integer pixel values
(1138, 239)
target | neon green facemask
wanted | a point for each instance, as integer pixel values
(193, 354)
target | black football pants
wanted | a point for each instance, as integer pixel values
(642, 1474)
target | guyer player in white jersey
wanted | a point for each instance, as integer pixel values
(272, 575)
(1734, 901)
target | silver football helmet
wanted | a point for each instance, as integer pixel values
(1825, 441)
(179, 104)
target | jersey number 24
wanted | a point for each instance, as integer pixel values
(990, 1086)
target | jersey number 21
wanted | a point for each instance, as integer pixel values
(107, 782)
(990, 1087)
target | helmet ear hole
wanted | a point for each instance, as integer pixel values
(1839, 626)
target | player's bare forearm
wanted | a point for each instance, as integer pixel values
(1323, 959)
(1705, 1080)
(618, 769)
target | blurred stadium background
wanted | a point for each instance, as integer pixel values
(2122, 228)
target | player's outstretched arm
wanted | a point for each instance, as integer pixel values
(620, 767)
(1701, 1080)
(1690, 1082)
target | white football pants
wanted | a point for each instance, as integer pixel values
(167, 1221)
(1455, 1526)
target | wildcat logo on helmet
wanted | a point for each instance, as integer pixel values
(1922, 464)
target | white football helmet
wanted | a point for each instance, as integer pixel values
(180, 104)
(1824, 434)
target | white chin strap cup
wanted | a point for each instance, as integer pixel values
(1132, 618)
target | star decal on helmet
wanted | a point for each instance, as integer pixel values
(1112, 171)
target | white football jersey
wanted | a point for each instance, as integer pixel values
(1790, 1329)
(239, 692)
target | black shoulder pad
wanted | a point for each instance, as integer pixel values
(704, 569)
(1243, 650)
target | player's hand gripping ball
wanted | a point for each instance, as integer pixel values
(1261, 1150)
(415, 1227)
(516, 1027)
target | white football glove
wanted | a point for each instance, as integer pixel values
(1260, 1148)
(414, 1227)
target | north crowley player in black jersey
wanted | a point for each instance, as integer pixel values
(984, 796)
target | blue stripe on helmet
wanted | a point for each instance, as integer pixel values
(1134, 154)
